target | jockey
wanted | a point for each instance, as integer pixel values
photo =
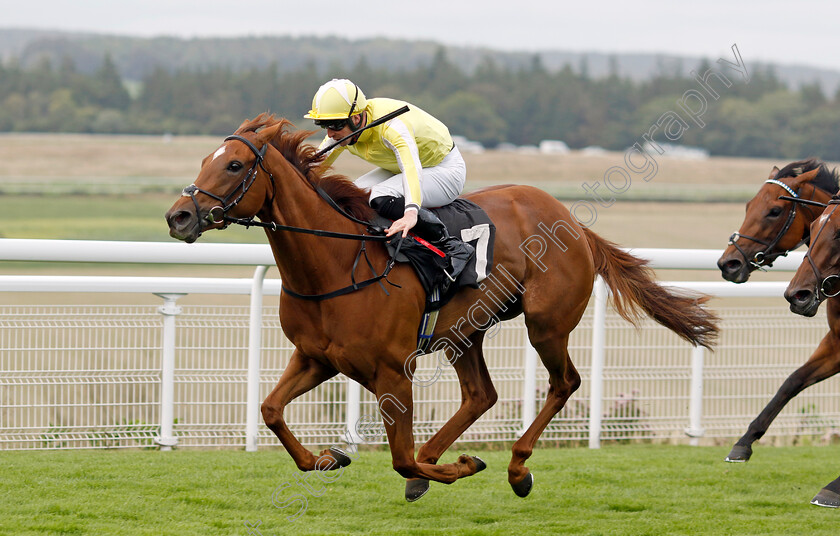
(418, 165)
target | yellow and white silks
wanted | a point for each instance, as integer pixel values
(414, 154)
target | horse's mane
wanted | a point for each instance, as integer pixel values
(302, 156)
(826, 179)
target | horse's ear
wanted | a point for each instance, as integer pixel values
(242, 126)
(266, 134)
(806, 177)
(773, 173)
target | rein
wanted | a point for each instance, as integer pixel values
(226, 205)
(767, 256)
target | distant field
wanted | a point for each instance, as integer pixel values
(40, 163)
(140, 174)
(140, 217)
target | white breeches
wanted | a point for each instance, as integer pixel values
(439, 185)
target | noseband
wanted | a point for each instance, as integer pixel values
(767, 256)
(228, 202)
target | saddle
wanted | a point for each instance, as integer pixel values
(464, 219)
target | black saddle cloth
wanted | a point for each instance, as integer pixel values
(463, 219)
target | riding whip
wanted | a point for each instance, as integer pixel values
(379, 121)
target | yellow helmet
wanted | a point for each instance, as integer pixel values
(337, 99)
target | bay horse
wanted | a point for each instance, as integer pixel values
(816, 280)
(544, 266)
(772, 227)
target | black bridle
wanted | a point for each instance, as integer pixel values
(228, 202)
(829, 286)
(767, 256)
(231, 200)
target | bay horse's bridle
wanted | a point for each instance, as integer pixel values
(829, 286)
(767, 256)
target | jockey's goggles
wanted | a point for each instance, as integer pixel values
(331, 124)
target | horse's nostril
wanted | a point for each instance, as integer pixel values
(733, 265)
(802, 296)
(180, 218)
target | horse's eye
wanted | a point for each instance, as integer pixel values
(775, 211)
(235, 166)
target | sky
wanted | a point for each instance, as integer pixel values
(779, 31)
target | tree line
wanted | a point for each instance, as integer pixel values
(490, 104)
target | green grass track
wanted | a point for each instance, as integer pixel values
(617, 490)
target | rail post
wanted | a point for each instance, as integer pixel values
(596, 379)
(529, 387)
(354, 410)
(252, 400)
(695, 428)
(169, 310)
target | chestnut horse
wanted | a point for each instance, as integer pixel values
(544, 267)
(818, 279)
(772, 227)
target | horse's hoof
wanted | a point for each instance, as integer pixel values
(826, 498)
(739, 454)
(523, 487)
(415, 488)
(341, 459)
(479, 464)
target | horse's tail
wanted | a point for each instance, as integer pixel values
(635, 291)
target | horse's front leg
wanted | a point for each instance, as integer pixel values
(829, 496)
(477, 396)
(823, 363)
(301, 375)
(396, 406)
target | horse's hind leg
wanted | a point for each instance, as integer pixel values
(477, 396)
(302, 374)
(563, 381)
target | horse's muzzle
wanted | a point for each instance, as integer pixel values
(734, 270)
(183, 225)
(803, 301)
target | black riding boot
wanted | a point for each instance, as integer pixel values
(429, 227)
(432, 229)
